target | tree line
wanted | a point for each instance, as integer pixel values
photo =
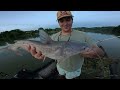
(104, 30)
(17, 34)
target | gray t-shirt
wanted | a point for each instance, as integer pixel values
(75, 62)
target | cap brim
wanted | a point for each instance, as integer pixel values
(64, 16)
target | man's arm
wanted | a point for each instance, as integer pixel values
(94, 51)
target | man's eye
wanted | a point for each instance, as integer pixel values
(67, 19)
(61, 21)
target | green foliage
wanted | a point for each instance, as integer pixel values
(17, 34)
(103, 30)
(95, 69)
(116, 30)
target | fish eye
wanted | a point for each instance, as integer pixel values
(84, 48)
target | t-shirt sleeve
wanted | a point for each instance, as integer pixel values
(53, 37)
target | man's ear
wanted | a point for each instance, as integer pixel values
(72, 21)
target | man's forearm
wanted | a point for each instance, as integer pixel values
(94, 52)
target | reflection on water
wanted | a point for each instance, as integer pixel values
(99, 36)
(36, 39)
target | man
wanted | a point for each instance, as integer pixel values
(70, 68)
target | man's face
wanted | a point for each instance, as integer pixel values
(65, 23)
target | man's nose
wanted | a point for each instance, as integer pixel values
(65, 22)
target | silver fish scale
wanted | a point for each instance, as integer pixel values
(62, 50)
(53, 50)
(71, 48)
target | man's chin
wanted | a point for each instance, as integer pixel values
(66, 30)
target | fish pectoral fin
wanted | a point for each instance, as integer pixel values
(44, 59)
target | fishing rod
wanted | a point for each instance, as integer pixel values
(103, 41)
(99, 57)
(107, 39)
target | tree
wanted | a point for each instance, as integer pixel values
(116, 30)
(40, 28)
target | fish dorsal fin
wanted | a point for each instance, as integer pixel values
(44, 37)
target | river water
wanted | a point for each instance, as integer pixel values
(110, 43)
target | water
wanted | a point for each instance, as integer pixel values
(11, 63)
(111, 45)
(99, 36)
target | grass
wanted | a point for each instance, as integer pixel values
(96, 69)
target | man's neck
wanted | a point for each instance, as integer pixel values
(66, 32)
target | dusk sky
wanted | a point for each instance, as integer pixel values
(29, 20)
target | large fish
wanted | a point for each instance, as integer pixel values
(57, 50)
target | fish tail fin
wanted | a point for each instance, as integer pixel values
(44, 37)
(12, 49)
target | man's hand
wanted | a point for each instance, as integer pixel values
(93, 52)
(35, 53)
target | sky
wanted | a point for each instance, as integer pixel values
(32, 20)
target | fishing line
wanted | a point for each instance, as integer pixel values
(105, 40)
